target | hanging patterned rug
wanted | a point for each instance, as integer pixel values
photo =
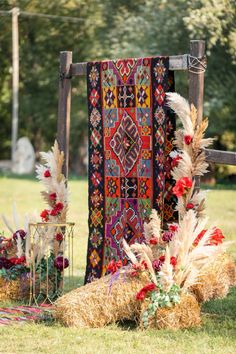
(130, 137)
(22, 314)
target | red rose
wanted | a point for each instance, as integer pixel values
(188, 139)
(54, 212)
(52, 196)
(114, 266)
(59, 237)
(45, 215)
(140, 295)
(173, 227)
(153, 241)
(149, 287)
(15, 260)
(47, 174)
(57, 209)
(162, 259)
(59, 206)
(182, 185)
(143, 292)
(173, 261)
(190, 206)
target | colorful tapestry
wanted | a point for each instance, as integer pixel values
(130, 138)
(22, 314)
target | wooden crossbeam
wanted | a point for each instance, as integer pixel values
(222, 157)
(176, 62)
(68, 69)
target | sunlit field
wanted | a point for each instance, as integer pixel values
(217, 334)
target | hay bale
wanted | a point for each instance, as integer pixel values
(186, 314)
(217, 279)
(101, 302)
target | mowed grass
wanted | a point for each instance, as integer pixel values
(218, 331)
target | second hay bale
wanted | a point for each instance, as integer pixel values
(101, 302)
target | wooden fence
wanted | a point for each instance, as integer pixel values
(194, 63)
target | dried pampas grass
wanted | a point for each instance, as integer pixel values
(186, 314)
(217, 279)
(109, 299)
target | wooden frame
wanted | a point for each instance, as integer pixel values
(68, 70)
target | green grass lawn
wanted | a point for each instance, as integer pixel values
(217, 334)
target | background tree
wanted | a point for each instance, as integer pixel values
(112, 29)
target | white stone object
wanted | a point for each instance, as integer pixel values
(24, 157)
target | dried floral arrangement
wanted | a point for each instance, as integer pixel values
(174, 261)
(43, 251)
(56, 195)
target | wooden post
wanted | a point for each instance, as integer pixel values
(63, 122)
(15, 81)
(196, 85)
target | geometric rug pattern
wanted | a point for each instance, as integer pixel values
(131, 132)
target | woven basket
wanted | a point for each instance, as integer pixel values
(20, 289)
(16, 290)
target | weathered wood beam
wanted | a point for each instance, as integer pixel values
(222, 157)
(63, 122)
(196, 86)
(177, 62)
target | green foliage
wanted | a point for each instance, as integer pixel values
(111, 29)
(160, 298)
(14, 272)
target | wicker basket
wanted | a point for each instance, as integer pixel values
(16, 290)
(21, 289)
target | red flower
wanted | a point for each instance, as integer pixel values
(144, 265)
(175, 161)
(54, 212)
(52, 196)
(182, 185)
(173, 261)
(47, 173)
(173, 227)
(15, 260)
(143, 292)
(140, 295)
(153, 241)
(57, 209)
(188, 139)
(156, 264)
(114, 266)
(167, 236)
(59, 206)
(59, 237)
(45, 215)
(136, 268)
(190, 206)
(20, 233)
(215, 239)
(61, 263)
(162, 259)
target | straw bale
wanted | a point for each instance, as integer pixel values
(217, 279)
(101, 302)
(186, 314)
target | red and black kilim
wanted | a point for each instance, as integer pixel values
(130, 137)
